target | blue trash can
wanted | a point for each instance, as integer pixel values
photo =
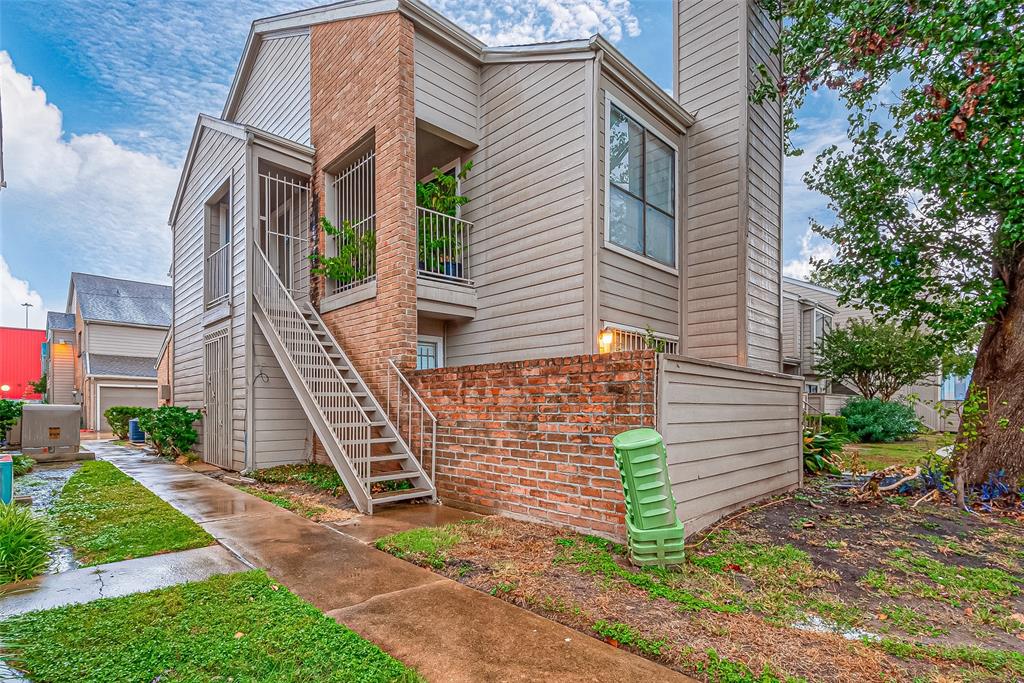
(6, 479)
(135, 434)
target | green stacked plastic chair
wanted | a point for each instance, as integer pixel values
(655, 532)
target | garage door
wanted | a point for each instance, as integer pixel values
(144, 397)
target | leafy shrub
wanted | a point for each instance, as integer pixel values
(25, 543)
(170, 429)
(834, 423)
(10, 413)
(821, 451)
(118, 417)
(322, 477)
(22, 464)
(876, 421)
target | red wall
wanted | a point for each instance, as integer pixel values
(20, 361)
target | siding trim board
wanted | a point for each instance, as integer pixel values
(732, 435)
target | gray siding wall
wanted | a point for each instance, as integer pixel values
(218, 157)
(732, 436)
(790, 328)
(280, 429)
(277, 96)
(447, 88)
(764, 194)
(528, 195)
(631, 291)
(733, 185)
(122, 340)
(709, 87)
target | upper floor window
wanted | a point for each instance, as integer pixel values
(218, 245)
(641, 189)
(822, 326)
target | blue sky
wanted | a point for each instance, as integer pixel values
(99, 100)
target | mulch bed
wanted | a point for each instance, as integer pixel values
(792, 587)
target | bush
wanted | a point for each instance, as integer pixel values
(22, 464)
(835, 423)
(10, 413)
(118, 417)
(170, 429)
(25, 543)
(821, 451)
(877, 421)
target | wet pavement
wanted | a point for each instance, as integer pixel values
(116, 579)
(44, 484)
(448, 632)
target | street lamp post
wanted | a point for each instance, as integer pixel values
(26, 306)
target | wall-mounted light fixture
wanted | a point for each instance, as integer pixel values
(604, 341)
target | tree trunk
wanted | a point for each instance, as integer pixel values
(991, 438)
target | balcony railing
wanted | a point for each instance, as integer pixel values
(443, 246)
(218, 276)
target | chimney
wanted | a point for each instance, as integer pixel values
(733, 182)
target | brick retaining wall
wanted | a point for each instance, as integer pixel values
(532, 439)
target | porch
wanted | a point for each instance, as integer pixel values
(445, 288)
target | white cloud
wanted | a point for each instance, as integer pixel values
(82, 200)
(13, 293)
(811, 247)
(534, 21)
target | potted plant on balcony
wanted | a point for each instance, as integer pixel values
(356, 253)
(440, 247)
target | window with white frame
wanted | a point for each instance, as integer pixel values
(641, 189)
(822, 326)
(218, 246)
(429, 353)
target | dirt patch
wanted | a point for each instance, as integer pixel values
(815, 586)
(307, 501)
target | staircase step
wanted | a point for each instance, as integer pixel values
(395, 496)
(394, 476)
(384, 439)
(390, 457)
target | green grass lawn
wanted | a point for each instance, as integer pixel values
(106, 516)
(875, 456)
(238, 627)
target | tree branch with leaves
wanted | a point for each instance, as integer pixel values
(928, 196)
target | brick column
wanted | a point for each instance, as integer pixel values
(362, 83)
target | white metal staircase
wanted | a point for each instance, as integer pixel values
(364, 445)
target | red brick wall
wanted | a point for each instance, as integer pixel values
(532, 439)
(362, 83)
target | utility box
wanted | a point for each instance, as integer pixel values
(655, 532)
(50, 429)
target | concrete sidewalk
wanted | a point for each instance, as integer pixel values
(447, 631)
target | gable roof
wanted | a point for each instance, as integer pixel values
(108, 299)
(438, 26)
(104, 365)
(236, 130)
(55, 320)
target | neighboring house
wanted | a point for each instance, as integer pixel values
(164, 374)
(809, 312)
(19, 362)
(59, 358)
(606, 221)
(119, 328)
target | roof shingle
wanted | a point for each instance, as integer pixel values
(108, 299)
(103, 365)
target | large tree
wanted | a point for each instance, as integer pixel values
(928, 195)
(876, 358)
